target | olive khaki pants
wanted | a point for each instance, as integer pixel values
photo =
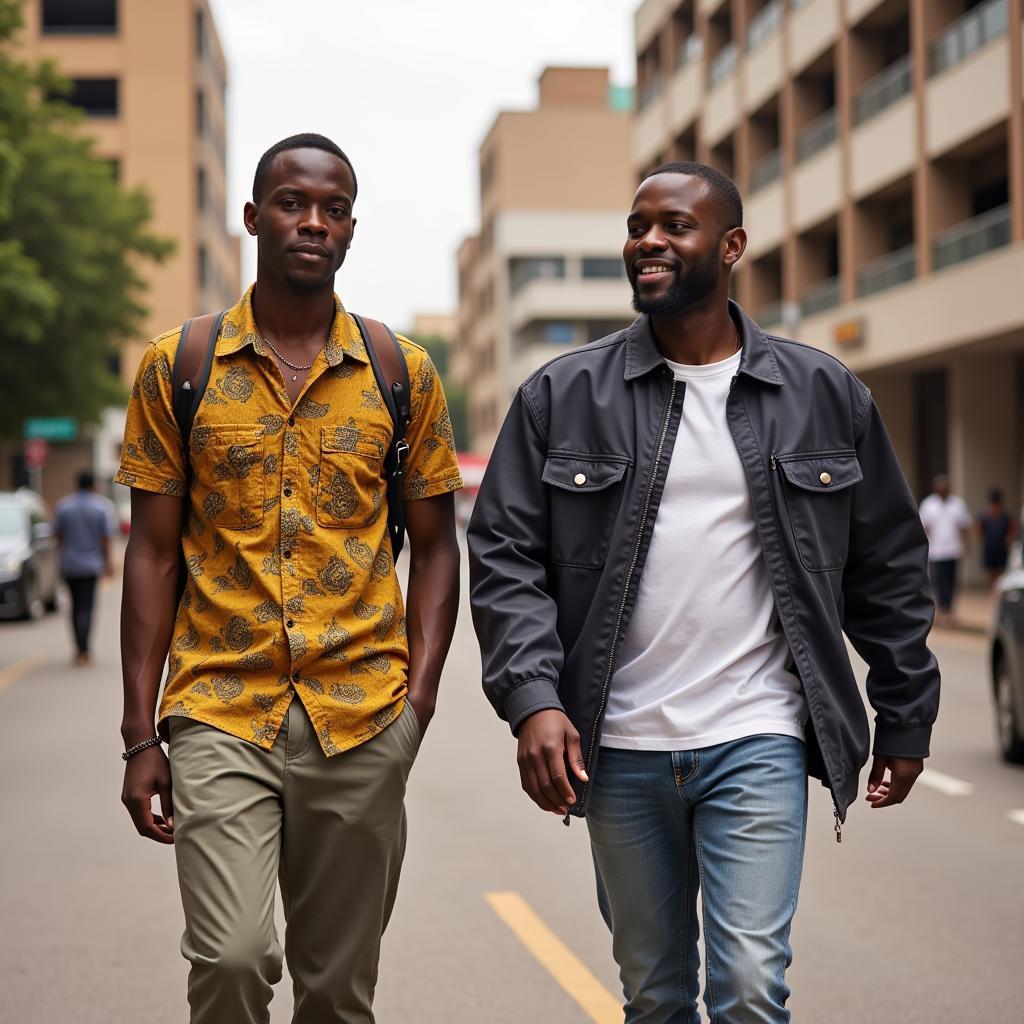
(331, 830)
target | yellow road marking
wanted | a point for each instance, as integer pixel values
(556, 958)
(14, 672)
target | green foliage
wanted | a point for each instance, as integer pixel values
(72, 242)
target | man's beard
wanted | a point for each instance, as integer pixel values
(687, 289)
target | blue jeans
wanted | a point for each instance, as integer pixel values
(728, 821)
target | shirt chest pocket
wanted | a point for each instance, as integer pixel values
(818, 491)
(228, 476)
(350, 488)
(585, 493)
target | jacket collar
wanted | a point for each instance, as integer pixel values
(239, 330)
(757, 359)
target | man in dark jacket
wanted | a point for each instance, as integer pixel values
(661, 588)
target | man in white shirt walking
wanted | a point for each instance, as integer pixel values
(946, 521)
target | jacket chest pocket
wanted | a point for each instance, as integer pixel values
(227, 480)
(350, 487)
(818, 490)
(585, 492)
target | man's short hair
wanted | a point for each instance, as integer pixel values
(724, 193)
(304, 140)
(86, 480)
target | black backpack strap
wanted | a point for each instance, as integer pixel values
(392, 375)
(189, 377)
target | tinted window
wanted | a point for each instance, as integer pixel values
(79, 16)
(96, 96)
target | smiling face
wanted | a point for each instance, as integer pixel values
(303, 219)
(677, 249)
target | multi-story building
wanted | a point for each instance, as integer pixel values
(879, 146)
(151, 78)
(545, 272)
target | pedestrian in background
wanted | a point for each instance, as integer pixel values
(298, 685)
(83, 523)
(946, 522)
(677, 524)
(997, 530)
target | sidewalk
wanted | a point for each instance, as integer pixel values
(972, 611)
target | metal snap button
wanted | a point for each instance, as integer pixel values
(825, 478)
(579, 479)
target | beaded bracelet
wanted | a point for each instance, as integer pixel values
(139, 747)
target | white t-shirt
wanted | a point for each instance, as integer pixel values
(943, 521)
(704, 660)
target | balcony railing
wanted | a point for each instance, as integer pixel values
(821, 297)
(769, 315)
(766, 170)
(723, 63)
(765, 24)
(972, 238)
(691, 49)
(820, 133)
(884, 90)
(649, 92)
(888, 271)
(967, 35)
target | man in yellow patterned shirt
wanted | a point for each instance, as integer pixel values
(298, 686)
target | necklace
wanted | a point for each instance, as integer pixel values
(290, 365)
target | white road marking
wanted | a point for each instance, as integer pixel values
(1017, 817)
(945, 783)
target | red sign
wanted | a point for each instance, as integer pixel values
(36, 450)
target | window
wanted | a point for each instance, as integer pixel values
(200, 112)
(201, 197)
(203, 266)
(602, 328)
(529, 268)
(200, 33)
(79, 17)
(603, 267)
(115, 169)
(96, 96)
(558, 332)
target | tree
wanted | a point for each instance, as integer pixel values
(72, 243)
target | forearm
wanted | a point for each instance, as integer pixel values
(147, 621)
(431, 610)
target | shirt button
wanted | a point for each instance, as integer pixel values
(287, 554)
(287, 492)
(290, 623)
(579, 479)
(291, 421)
(825, 478)
(295, 677)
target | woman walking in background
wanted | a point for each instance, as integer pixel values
(997, 529)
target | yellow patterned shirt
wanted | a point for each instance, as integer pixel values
(291, 584)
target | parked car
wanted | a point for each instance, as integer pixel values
(29, 559)
(1007, 661)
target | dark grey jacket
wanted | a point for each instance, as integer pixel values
(564, 518)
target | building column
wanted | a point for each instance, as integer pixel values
(1015, 136)
(982, 433)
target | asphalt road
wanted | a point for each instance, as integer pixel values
(917, 917)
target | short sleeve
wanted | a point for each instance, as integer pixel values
(432, 467)
(152, 457)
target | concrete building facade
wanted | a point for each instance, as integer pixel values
(151, 78)
(544, 273)
(879, 147)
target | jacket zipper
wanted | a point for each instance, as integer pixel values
(838, 826)
(625, 589)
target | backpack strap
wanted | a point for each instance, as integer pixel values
(392, 375)
(192, 363)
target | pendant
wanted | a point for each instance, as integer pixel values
(295, 376)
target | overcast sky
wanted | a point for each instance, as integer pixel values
(408, 89)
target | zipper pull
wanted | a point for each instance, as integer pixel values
(565, 820)
(775, 462)
(838, 827)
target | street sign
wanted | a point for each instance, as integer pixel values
(51, 428)
(36, 450)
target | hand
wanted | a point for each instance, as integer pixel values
(146, 775)
(903, 773)
(549, 747)
(423, 709)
